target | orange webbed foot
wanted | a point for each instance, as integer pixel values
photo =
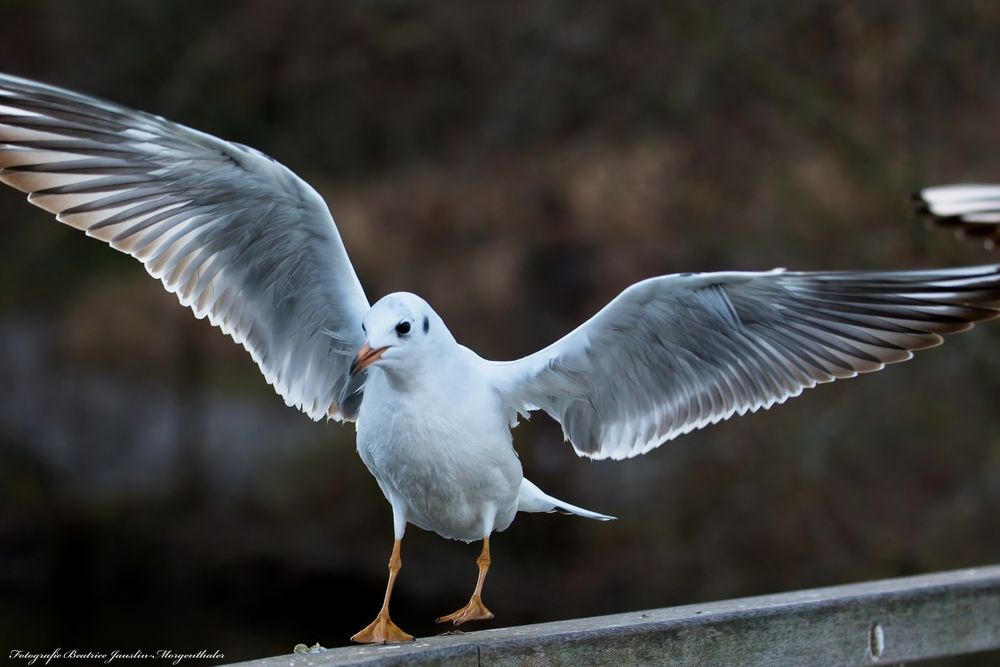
(382, 631)
(474, 611)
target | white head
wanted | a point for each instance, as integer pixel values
(403, 332)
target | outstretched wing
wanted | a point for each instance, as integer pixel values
(677, 353)
(236, 236)
(973, 210)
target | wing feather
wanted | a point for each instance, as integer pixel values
(972, 210)
(236, 236)
(677, 353)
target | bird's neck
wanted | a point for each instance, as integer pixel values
(441, 369)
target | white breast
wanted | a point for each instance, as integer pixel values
(444, 450)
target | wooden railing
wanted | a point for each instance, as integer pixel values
(879, 622)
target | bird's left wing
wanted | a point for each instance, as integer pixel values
(677, 353)
(972, 209)
(235, 235)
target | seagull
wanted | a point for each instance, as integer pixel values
(971, 209)
(241, 240)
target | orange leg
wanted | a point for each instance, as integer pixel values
(475, 610)
(382, 630)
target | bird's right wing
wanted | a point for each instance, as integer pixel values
(676, 353)
(236, 236)
(973, 210)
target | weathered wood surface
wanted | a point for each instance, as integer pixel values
(879, 622)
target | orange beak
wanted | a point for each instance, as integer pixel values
(366, 357)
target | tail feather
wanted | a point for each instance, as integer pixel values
(532, 499)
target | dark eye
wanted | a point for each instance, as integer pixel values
(403, 328)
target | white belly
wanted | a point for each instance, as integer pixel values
(446, 462)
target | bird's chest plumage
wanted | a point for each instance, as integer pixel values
(447, 457)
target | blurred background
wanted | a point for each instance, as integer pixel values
(517, 164)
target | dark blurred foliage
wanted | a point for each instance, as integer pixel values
(517, 164)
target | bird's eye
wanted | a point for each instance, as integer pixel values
(403, 328)
(363, 328)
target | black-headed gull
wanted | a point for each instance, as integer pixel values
(243, 241)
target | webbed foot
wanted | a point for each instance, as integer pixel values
(382, 631)
(474, 611)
